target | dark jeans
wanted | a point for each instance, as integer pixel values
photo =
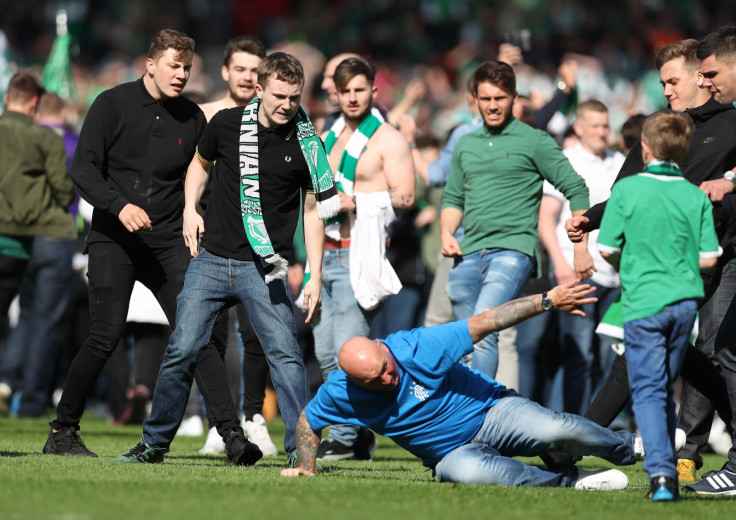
(725, 348)
(32, 348)
(696, 412)
(11, 276)
(584, 354)
(537, 343)
(112, 271)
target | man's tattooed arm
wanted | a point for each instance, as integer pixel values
(401, 200)
(504, 316)
(307, 443)
(568, 297)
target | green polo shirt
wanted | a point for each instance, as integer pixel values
(496, 180)
(661, 224)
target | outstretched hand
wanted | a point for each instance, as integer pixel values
(570, 296)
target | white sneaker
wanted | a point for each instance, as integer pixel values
(602, 480)
(680, 440)
(214, 443)
(257, 432)
(191, 427)
(719, 439)
(5, 394)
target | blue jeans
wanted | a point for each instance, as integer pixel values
(582, 349)
(516, 426)
(30, 354)
(536, 345)
(655, 348)
(213, 283)
(339, 319)
(480, 281)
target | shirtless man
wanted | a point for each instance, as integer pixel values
(328, 87)
(374, 169)
(242, 57)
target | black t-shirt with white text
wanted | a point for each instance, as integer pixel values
(283, 173)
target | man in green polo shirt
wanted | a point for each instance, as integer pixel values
(495, 187)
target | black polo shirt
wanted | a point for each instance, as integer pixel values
(283, 173)
(135, 149)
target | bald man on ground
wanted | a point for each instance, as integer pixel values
(413, 388)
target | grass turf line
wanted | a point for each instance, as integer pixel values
(192, 486)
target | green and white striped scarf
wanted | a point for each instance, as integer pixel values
(660, 167)
(328, 202)
(345, 174)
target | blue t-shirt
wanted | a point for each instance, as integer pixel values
(438, 405)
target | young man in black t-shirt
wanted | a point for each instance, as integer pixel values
(229, 265)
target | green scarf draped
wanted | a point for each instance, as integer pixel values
(345, 175)
(328, 202)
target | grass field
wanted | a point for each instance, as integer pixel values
(192, 486)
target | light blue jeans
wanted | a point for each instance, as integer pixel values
(655, 348)
(516, 426)
(339, 319)
(212, 284)
(480, 281)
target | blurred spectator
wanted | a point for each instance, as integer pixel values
(584, 354)
(31, 351)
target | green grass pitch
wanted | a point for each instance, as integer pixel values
(192, 486)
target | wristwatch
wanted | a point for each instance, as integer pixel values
(547, 303)
(731, 177)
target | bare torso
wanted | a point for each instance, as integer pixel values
(370, 176)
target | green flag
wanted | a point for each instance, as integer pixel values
(57, 74)
(7, 66)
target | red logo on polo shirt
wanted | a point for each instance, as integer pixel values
(180, 141)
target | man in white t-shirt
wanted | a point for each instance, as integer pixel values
(598, 166)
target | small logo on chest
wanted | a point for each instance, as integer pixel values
(287, 158)
(420, 392)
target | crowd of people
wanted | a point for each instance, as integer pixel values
(392, 242)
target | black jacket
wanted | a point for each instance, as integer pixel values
(712, 152)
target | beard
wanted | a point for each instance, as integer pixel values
(357, 117)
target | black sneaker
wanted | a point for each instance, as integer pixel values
(330, 449)
(239, 449)
(663, 489)
(66, 442)
(365, 445)
(142, 453)
(716, 482)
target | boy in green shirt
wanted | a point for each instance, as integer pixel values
(658, 231)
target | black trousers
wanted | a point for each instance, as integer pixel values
(697, 370)
(112, 272)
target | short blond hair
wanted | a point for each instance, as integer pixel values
(281, 66)
(668, 135)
